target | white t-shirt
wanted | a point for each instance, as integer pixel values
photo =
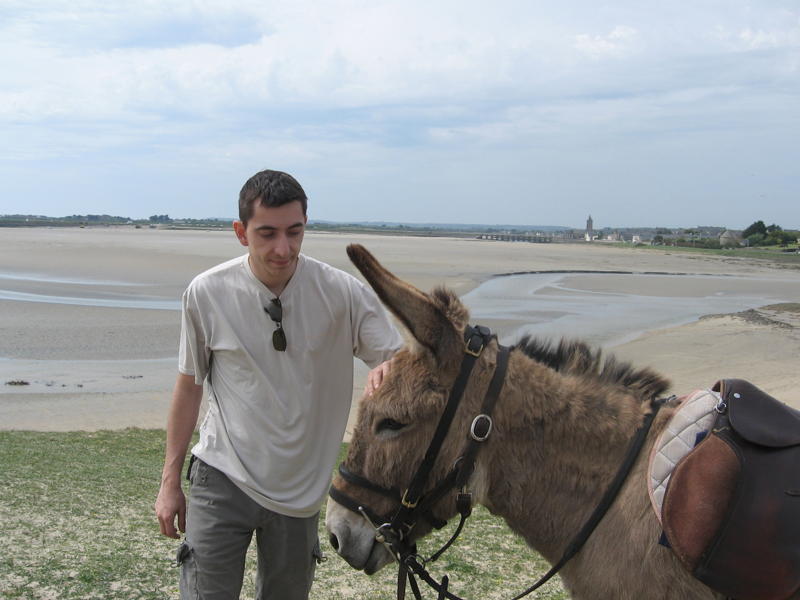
(276, 419)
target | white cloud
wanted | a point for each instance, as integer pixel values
(618, 43)
(81, 61)
(759, 39)
(207, 84)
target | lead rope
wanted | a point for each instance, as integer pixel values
(443, 589)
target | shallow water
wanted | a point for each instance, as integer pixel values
(609, 309)
(6, 276)
(124, 302)
(75, 291)
(604, 309)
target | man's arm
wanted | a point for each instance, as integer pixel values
(183, 412)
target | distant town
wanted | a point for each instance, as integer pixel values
(711, 236)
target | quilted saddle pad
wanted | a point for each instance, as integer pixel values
(695, 415)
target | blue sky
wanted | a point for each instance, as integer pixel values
(678, 113)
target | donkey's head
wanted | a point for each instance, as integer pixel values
(396, 423)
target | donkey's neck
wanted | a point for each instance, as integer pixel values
(563, 438)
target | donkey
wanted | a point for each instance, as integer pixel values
(562, 424)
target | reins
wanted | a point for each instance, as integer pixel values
(394, 531)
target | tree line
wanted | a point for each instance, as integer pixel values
(759, 234)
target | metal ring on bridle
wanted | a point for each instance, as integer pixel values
(481, 419)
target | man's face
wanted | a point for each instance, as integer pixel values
(273, 237)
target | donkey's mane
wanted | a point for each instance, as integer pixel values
(575, 357)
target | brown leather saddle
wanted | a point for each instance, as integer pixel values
(732, 507)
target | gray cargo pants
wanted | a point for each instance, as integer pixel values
(220, 522)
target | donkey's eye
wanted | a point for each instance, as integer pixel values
(389, 425)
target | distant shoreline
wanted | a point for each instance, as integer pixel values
(489, 233)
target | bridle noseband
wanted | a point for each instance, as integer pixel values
(415, 503)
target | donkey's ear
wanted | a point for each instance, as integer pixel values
(415, 309)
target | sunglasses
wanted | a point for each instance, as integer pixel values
(275, 312)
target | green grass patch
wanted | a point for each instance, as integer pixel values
(77, 521)
(772, 254)
(787, 307)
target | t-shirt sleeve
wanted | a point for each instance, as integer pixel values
(193, 352)
(375, 338)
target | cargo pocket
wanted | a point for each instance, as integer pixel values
(197, 473)
(184, 558)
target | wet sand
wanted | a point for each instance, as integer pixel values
(112, 365)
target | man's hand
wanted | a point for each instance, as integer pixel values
(171, 503)
(375, 377)
(183, 412)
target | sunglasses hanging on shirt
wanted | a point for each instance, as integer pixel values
(275, 312)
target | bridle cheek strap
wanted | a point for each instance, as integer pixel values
(413, 503)
(476, 338)
(481, 428)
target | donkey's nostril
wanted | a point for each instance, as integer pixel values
(334, 541)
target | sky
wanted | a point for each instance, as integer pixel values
(530, 112)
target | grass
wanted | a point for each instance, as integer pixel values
(76, 521)
(772, 254)
(790, 307)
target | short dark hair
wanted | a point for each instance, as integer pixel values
(272, 188)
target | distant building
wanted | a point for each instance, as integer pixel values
(589, 229)
(730, 239)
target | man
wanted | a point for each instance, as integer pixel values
(272, 334)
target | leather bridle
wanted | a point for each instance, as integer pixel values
(393, 531)
(417, 501)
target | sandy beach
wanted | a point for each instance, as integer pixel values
(89, 317)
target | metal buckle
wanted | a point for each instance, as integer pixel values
(468, 349)
(408, 504)
(475, 436)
